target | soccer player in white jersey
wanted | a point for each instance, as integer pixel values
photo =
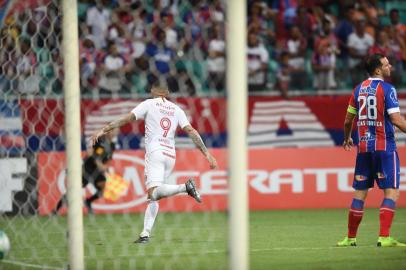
(162, 117)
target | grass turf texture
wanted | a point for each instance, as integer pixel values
(299, 239)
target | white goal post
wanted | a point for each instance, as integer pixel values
(237, 149)
(237, 134)
(73, 134)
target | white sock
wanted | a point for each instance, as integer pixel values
(167, 191)
(150, 214)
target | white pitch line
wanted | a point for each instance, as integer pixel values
(102, 230)
(261, 250)
(39, 266)
(223, 251)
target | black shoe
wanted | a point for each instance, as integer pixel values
(192, 191)
(53, 213)
(142, 240)
(88, 205)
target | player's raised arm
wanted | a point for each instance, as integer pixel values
(112, 125)
(197, 140)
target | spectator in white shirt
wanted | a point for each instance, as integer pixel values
(216, 64)
(171, 39)
(359, 42)
(98, 18)
(118, 36)
(258, 58)
(28, 81)
(217, 11)
(113, 69)
(296, 47)
(138, 28)
(323, 67)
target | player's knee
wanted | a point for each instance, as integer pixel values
(392, 194)
(361, 194)
(101, 185)
(151, 194)
(396, 195)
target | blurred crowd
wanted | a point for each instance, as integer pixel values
(320, 44)
(128, 45)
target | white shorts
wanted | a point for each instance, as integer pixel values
(158, 167)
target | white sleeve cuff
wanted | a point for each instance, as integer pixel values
(135, 113)
(393, 110)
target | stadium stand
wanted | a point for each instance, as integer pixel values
(127, 45)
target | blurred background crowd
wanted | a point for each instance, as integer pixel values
(293, 46)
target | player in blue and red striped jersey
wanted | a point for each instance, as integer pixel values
(375, 104)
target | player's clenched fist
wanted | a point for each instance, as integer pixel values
(348, 144)
(212, 161)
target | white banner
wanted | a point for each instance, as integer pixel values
(12, 175)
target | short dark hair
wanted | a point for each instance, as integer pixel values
(373, 62)
(160, 88)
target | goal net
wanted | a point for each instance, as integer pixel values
(125, 47)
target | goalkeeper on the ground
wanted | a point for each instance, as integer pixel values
(95, 166)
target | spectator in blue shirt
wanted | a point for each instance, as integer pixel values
(163, 57)
(161, 54)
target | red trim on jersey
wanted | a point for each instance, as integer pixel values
(380, 139)
(168, 155)
(167, 146)
(366, 83)
(362, 130)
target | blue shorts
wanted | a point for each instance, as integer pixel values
(382, 167)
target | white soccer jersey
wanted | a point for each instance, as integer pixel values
(162, 117)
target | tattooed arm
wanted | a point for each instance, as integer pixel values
(112, 125)
(197, 140)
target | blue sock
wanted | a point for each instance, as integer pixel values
(357, 204)
(388, 203)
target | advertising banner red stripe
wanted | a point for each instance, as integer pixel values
(277, 179)
(46, 117)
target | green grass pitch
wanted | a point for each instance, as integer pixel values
(294, 239)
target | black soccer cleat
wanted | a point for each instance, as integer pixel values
(192, 191)
(88, 205)
(142, 240)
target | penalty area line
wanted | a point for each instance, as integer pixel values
(216, 251)
(39, 266)
(264, 250)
